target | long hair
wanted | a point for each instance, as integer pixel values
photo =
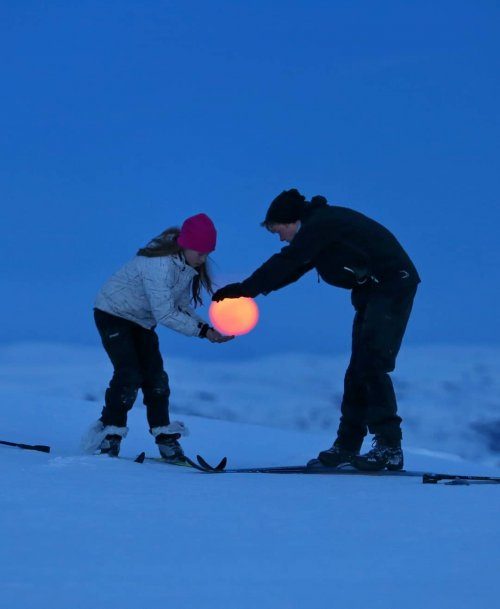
(165, 244)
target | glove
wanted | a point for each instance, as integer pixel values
(232, 290)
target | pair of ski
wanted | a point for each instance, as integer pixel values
(427, 478)
(201, 465)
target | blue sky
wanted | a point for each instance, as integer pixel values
(120, 118)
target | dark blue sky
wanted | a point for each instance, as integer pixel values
(119, 118)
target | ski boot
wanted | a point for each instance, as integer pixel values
(336, 456)
(169, 447)
(103, 439)
(383, 455)
(111, 445)
(166, 438)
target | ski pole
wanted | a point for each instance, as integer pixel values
(39, 447)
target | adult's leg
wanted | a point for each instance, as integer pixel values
(352, 427)
(384, 324)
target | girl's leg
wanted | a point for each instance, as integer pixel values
(118, 339)
(155, 386)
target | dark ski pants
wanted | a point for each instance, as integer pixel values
(135, 354)
(369, 402)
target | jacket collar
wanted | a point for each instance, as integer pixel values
(180, 262)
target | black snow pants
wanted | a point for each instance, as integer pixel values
(369, 402)
(135, 354)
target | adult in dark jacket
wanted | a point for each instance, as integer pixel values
(351, 251)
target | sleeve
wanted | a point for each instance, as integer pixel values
(290, 264)
(184, 304)
(161, 286)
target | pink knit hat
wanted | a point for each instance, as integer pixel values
(198, 233)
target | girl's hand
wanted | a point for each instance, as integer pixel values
(216, 337)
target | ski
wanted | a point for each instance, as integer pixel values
(140, 458)
(39, 447)
(218, 468)
(457, 479)
(324, 471)
(187, 462)
(427, 478)
(199, 467)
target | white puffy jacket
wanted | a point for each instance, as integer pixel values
(151, 291)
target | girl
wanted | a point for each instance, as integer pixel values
(155, 287)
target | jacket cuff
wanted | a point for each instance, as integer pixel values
(204, 328)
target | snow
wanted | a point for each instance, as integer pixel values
(88, 531)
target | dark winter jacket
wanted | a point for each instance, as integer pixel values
(347, 248)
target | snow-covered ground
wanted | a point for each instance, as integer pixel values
(449, 397)
(92, 532)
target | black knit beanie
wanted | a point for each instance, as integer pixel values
(286, 208)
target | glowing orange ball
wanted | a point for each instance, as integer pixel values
(234, 315)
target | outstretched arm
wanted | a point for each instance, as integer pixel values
(282, 269)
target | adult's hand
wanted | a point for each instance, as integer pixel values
(232, 290)
(216, 337)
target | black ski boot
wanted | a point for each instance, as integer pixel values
(383, 455)
(336, 456)
(169, 447)
(111, 445)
